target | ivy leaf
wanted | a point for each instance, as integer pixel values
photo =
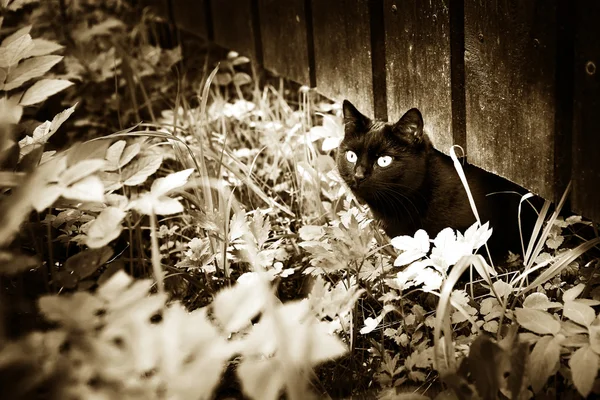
(584, 367)
(31, 68)
(105, 228)
(579, 312)
(537, 321)
(140, 169)
(543, 361)
(43, 89)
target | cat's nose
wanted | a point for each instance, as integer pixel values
(359, 174)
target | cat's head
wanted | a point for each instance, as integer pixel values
(378, 159)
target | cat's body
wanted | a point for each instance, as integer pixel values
(409, 185)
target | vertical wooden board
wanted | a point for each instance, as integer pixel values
(233, 25)
(283, 28)
(191, 16)
(417, 37)
(586, 127)
(510, 49)
(342, 43)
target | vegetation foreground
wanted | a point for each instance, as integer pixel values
(214, 252)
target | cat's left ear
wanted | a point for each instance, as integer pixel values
(410, 125)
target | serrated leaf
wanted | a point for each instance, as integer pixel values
(579, 312)
(43, 89)
(105, 228)
(89, 188)
(31, 68)
(584, 367)
(43, 132)
(537, 321)
(140, 169)
(85, 263)
(15, 51)
(543, 362)
(44, 47)
(162, 186)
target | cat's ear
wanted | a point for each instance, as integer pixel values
(410, 125)
(353, 118)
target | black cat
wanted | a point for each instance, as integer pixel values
(409, 185)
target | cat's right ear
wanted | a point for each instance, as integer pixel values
(353, 119)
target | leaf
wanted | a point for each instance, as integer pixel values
(113, 155)
(261, 379)
(311, 232)
(15, 263)
(44, 47)
(162, 186)
(85, 263)
(167, 206)
(15, 50)
(537, 321)
(539, 301)
(573, 293)
(140, 169)
(46, 197)
(18, 4)
(102, 29)
(543, 362)
(93, 149)
(16, 35)
(80, 170)
(105, 228)
(43, 132)
(89, 188)
(31, 68)
(579, 312)
(241, 78)
(235, 307)
(43, 89)
(594, 332)
(584, 368)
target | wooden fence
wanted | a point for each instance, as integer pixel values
(514, 82)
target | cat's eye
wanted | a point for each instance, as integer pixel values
(384, 161)
(351, 156)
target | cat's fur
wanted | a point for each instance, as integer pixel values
(421, 188)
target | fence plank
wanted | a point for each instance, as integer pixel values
(510, 49)
(417, 38)
(283, 27)
(192, 16)
(342, 42)
(234, 27)
(586, 127)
